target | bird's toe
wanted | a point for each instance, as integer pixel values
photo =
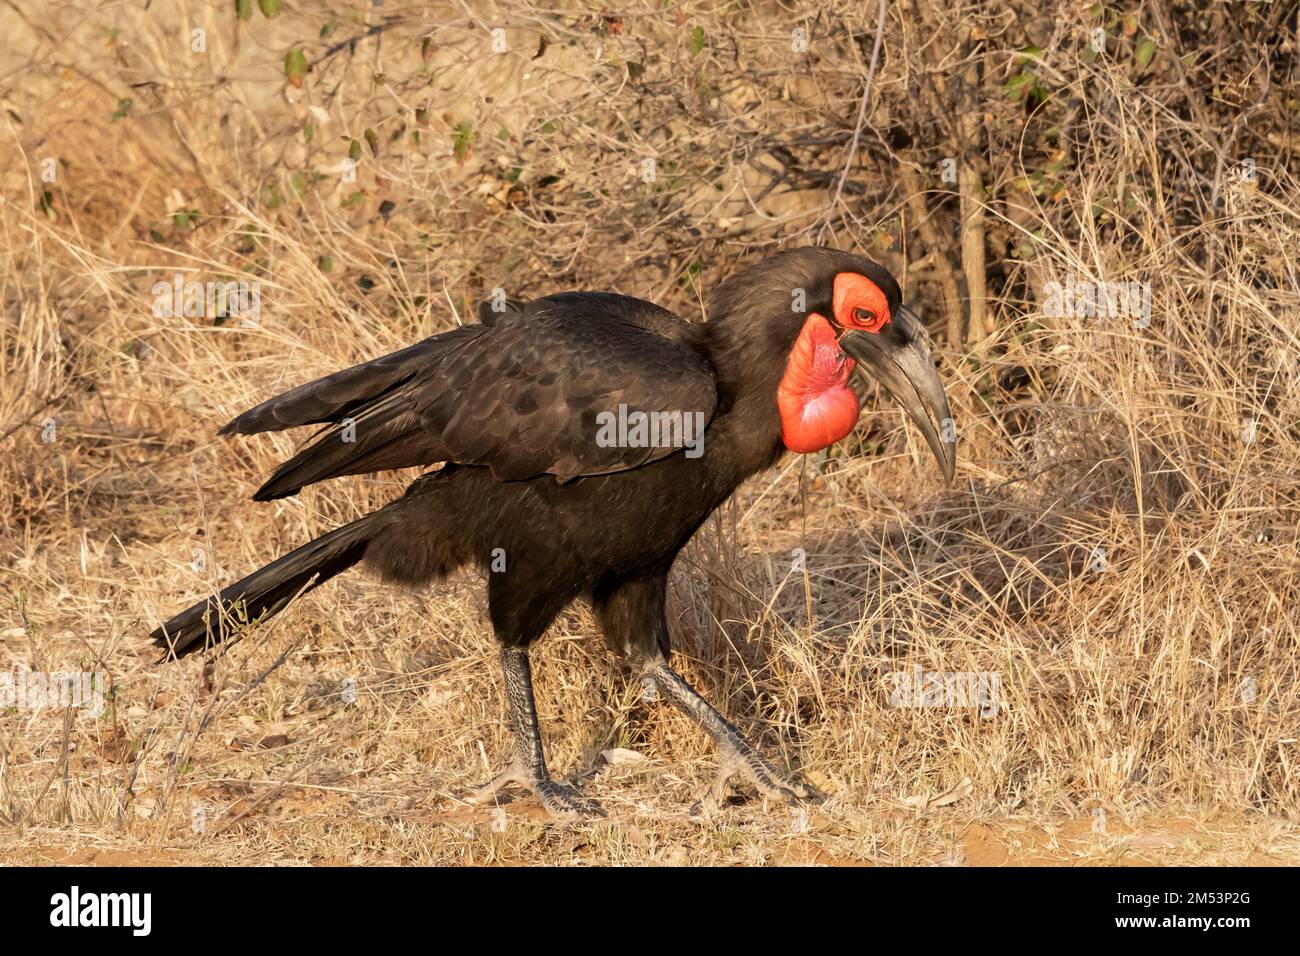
(770, 784)
(564, 801)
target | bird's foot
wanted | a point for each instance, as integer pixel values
(559, 799)
(565, 801)
(742, 761)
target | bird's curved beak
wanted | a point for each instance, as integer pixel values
(899, 358)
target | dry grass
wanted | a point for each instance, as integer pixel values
(1150, 707)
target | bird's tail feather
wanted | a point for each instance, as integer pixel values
(265, 592)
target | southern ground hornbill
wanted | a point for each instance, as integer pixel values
(539, 488)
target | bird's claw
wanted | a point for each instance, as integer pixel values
(559, 800)
(766, 779)
(562, 800)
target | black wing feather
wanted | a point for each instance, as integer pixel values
(522, 396)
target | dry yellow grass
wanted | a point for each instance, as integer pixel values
(1120, 546)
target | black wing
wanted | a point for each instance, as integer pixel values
(524, 396)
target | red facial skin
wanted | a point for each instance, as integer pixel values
(817, 406)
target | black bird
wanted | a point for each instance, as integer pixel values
(584, 437)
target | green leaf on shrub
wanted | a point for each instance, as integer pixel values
(1145, 52)
(295, 66)
(462, 141)
(697, 41)
(1019, 84)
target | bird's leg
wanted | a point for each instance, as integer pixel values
(528, 769)
(737, 757)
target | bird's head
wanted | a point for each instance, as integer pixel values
(821, 321)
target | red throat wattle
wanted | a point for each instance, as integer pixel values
(817, 406)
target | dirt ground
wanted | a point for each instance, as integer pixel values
(941, 842)
(1119, 546)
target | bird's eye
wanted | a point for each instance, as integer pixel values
(865, 316)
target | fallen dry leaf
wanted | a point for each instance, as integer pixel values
(925, 802)
(621, 756)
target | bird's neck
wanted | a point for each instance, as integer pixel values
(745, 433)
(757, 321)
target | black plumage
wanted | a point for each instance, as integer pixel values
(511, 407)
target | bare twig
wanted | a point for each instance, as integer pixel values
(857, 128)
